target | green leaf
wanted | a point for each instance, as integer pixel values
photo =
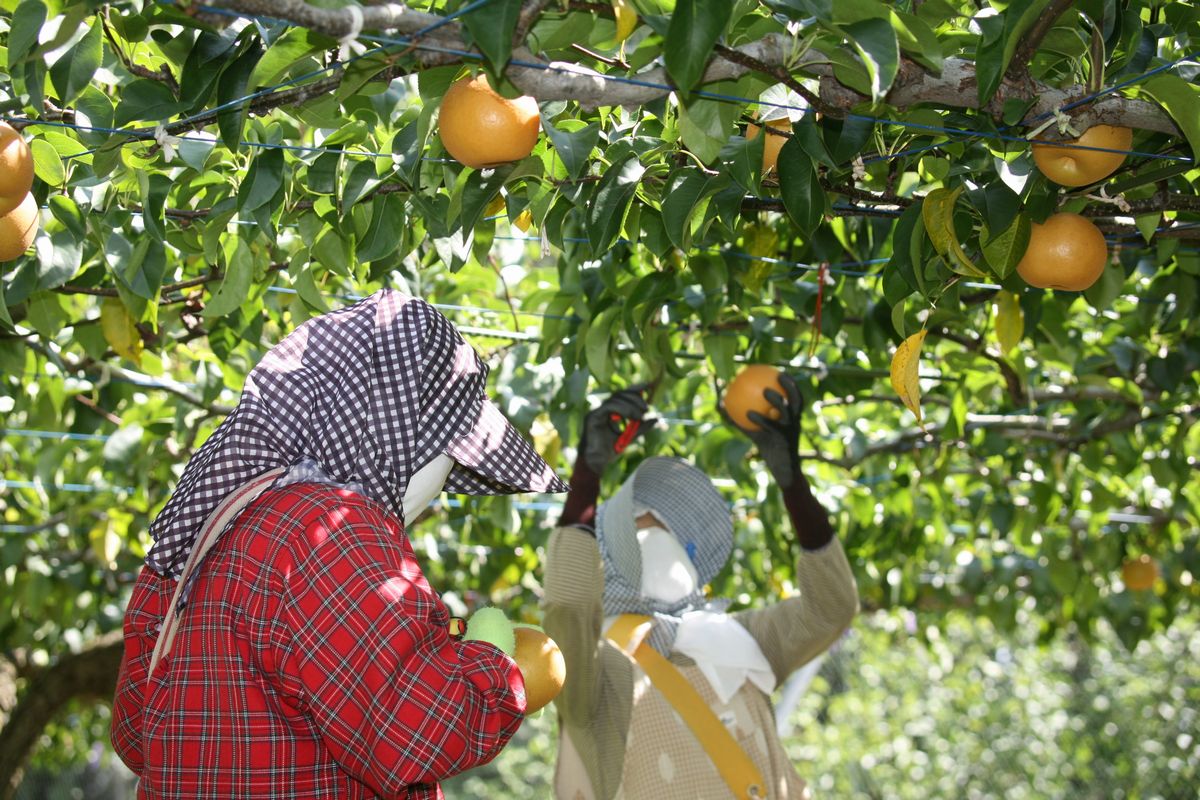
(695, 27)
(93, 109)
(686, 189)
(1147, 224)
(194, 150)
(918, 40)
(235, 285)
(142, 273)
(26, 24)
(599, 342)
(491, 27)
(809, 135)
(285, 52)
(361, 180)
(1004, 250)
(720, 349)
(606, 212)
(306, 287)
(6, 322)
(573, 147)
(144, 99)
(66, 211)
(875, 42)
(1182, 101)
(479, 191)
(1001, 35)
(800, 10)
(75, 68)
(203, 67)
(332, 251)
(154, 188)
(803, 196)
(938, 214)
(902, 257)
(47, 164)
(1108, 287)
(231, 86)
(63, 261)
(387, 226)
(852, 135)
(263, 180)
(704, 127)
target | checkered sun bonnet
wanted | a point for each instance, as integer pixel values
(685, 499)
(372, 393)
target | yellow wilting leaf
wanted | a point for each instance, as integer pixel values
(905, 364)
(626, 18)
(496, 207)
(524, 220)
(106, 544)
(760, 241)
(1010, 321)
(119, 330)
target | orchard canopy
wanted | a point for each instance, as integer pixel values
(212, 174)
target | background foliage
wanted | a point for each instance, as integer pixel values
(211, 177)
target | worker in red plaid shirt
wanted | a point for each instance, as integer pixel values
(307, 656)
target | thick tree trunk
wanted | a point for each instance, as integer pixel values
(90, 673)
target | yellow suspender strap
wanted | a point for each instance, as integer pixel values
(736, 768)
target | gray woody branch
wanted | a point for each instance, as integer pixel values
(955, 87)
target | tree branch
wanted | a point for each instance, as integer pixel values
(90, 673)
(954, 88)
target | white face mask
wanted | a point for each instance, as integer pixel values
(668, 575)
(425, 485)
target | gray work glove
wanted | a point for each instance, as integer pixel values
(778, 440)
(612, 426)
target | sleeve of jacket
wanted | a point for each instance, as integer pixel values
(572, 617)
(794, 631)
(147, 606)
(362, 643)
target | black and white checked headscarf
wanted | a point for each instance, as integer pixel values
(693, 510)
(372, 393)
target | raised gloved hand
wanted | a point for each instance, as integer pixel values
(778, 440)
(610, 427)
(537, 655)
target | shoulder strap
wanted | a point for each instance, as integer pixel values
(220, 517)
(738, 771)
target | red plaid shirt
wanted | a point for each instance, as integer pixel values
(312, 661)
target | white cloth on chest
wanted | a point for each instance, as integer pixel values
(725, 652)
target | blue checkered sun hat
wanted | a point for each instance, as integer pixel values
(692, 509)
(370, 393)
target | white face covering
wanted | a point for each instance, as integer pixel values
(425, 485)
(668, 575)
